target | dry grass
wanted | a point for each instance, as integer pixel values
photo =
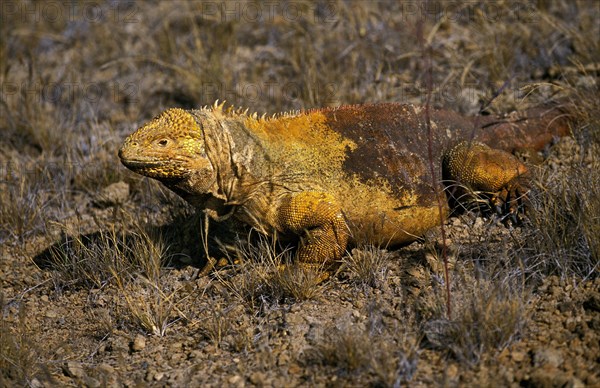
(486, 318)
(87, 260)
(151, 300)
(134, 263)
(368, 266)
(388, 356)
(217, 323)
(489, 305)
(565, 203)
(267, 272)
(487, 315)
(565, 240)
(22, 206)
(20, 361)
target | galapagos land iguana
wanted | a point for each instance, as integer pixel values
(329, 177)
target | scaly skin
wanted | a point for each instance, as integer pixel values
(352, 174)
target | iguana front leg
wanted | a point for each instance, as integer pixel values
(489, 170)
(318, 219)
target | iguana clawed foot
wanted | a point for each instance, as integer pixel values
(512, 202)
(479, 168)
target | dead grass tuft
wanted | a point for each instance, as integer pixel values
(267, 273)
(368, 266)
(153, 303)
(217, 323)
(133, 262)
(22, 207)
(86, 261)
(487, 316)
(565, 239)
(387, 355)
(298, 282)
(19, 355)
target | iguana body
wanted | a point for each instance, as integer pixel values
(358, 174)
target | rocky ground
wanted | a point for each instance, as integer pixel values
(98, 281)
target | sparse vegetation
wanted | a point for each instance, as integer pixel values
(151, 299)
(565, 239)
(21, 212)
(369, 349)
(487, 318)
(87, 267)
(20, 360)
(368, 266)
(267, 272)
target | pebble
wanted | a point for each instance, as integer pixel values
(518, 356)
(139, 343)
(257, 378)
(452, 371)
(91, 382)
(73, 369)
(51, 314)
(105, 369)
(548, 356)
(112, 194)
(195, 354)
(548, 377)
(236, 380)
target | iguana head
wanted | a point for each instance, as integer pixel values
(170, 148)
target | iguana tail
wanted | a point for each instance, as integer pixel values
(530, 129)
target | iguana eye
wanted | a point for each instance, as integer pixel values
(163, 142)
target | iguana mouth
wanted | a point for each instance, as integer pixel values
(139, 164)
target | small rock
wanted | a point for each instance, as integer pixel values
(236, 380)
(118, 345)
(283, 359)
(176, 346)
(195, 354)
(51, 314)
(294, 369)
(548, 356)
(541, 378)
(111, 195)
(176, 358)
(139, 343)
(452, 371)
(91, 382)
(73, 369)
(35, 383)
(257, 378)
(518, 356)
(105, 369)
(576, 383)
(149, 375)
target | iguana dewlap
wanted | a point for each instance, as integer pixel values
(359, 173)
